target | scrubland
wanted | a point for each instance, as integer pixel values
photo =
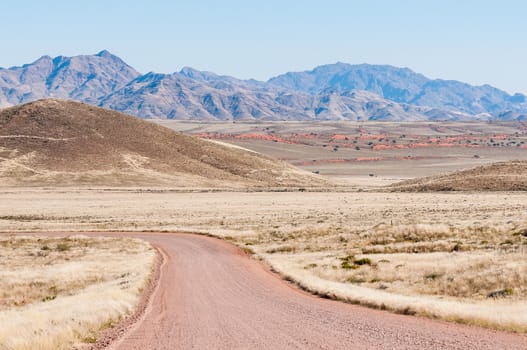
(61, 292)
(366, 155)
(453, 255)
(457, 256)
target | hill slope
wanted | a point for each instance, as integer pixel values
(501, 176)
(55, 142)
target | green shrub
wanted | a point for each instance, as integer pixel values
(363, 261)
(433, 276)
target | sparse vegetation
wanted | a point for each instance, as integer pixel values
(502, 176)
(62, 247)
(248, 250)
(435, 254)
(350, 262)
(47, 301)
(38, 150)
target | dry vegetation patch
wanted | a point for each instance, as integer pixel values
(501, 176)
(372, 154)
(58, 292)
(66, 143)
(446, 267)
(466, 262)
(439, 254)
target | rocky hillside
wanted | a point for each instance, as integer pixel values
(177, 96)
(56, 142)
(84, 78)
(331, 92)
(402, 85)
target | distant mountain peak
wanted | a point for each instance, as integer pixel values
(39, 61)
(337, 91)
(84, 78)
(44, 58)
(189, 70)
(197, 74)
(105, 53)
(402, 85)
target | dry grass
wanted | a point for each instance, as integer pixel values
(66, 143)
(494, 313)
(58, 292)
(465, 262)
(435, 254)
(429, 252)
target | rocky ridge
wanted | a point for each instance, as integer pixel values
(332, 92)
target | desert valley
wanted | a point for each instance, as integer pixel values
(345, 206)
(381, 214)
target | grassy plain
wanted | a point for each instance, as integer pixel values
(426, 253)
(59, 292)
(453, 255)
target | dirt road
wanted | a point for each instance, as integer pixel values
(211, 296)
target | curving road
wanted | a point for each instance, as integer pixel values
(211, 296)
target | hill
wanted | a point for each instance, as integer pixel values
(56, 142)
(330, 92)
(501, 176)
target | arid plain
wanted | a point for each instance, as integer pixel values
(369, 154)
(457, 256)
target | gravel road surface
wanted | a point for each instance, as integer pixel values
(212, 296)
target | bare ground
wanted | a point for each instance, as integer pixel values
(372, 154)
(500, 176)
(212, 296)
(424, 245)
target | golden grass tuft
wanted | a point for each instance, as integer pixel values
(59, 292)
(456, 247)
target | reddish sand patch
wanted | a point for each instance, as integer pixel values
(371, 137)
(376, 142)
(246, 136)
(261, 137)
(383, 147)
(357, 160)
(338, 137)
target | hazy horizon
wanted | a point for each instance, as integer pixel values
(474, 42)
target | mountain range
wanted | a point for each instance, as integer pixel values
(331, 92)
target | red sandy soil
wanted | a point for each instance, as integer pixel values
(357, 160)
(382, 147)
(376, 142)
(255, 136)
(212, 296)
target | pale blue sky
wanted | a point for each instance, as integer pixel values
(474, 41)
